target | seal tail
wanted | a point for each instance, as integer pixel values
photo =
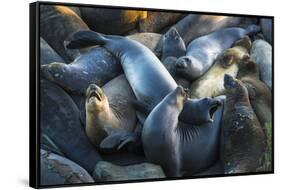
(84, 39)
(253, 29)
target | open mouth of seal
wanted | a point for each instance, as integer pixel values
(213, 108)
(95, 94)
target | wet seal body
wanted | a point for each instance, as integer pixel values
(244, 139)
(47, 54)
(110, 115)
(112, 21)
(96, 66)
(56, 24)
(261, 53)
(211, 83)
(203, 51)
(60, 122)
(57, 170)
(178, 142)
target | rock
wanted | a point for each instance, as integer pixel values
(58, 170)
(105, 171)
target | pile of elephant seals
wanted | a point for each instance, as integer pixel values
(131, 95)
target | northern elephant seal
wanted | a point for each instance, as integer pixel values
(261, 53)
(244, 139)
(58, 170)
(59, 119)
(211, 83)
(112, 21)
(178, 142)
(47, 54)
(203, 51)
(96, 66)
(110, 115)
(56, 24)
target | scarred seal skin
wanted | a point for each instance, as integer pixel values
(180, 143)
(203, 51)
(56, 24)
(244, 139)
(96, 66)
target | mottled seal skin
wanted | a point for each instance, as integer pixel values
(157, 21)
(179, 143)
(173, 45)
(244, 139)
(140, 65)
(150, 40)
(58, 170)
(266, 28)
(96, 66)
(259, 93)
(203, 51)
(262, 54)
(59, 119)
(112, 21)
(211, 83)
(47, 54)
(110, 115)
(56, 24)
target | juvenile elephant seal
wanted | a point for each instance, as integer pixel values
(266, 28)
(244, 139)
(112, 21)
(96, 66)
(56, 24)
(179, 143)
(110, 115)
(58, 170)
(47, 54)
(203, 51)
(262, 54)
(173, 45)
(259, 93)
(59, 120)
(211, 83)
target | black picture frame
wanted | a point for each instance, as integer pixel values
(34, 93)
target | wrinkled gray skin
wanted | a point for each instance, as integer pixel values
(261, 53)
(96, 66)
(58, 170)
(202, 52)
(173, 45)
(147, 76)
(59, 120)
(179, 143)
(56, 24)
(266, 28)
(244, 139)
(47, 54)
